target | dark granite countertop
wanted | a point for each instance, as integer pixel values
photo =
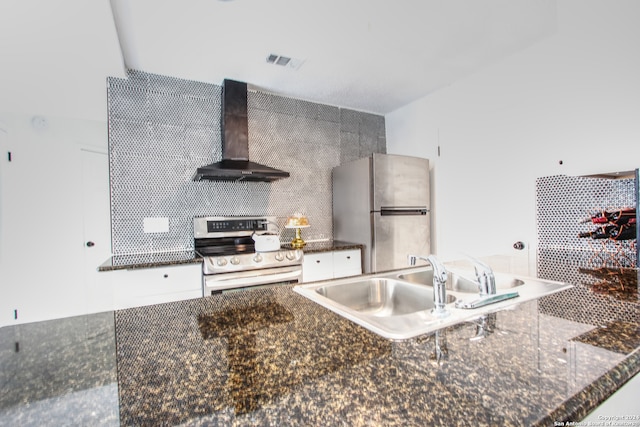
(327, 246)
(165, 259)
(271, 357)
(149, 260)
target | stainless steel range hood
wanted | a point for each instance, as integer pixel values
(235, 164)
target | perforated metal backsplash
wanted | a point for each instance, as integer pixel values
(161, 129)
(563, 202)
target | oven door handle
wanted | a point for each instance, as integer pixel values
(243, 279)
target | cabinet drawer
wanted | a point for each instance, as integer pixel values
(156, 285)
(347, 263)
(317, 266)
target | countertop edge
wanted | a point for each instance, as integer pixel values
(192, 258)
(328, 246)
(107, 266)
(589, 398)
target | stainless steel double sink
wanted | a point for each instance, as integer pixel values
(398, 305)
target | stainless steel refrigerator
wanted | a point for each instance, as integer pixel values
(382, 202)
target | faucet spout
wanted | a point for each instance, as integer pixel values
(439, 283)
(486, 278)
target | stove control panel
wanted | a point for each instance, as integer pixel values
(237, 225)
(251, 261)
(217, 226)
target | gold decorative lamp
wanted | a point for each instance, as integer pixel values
(298, 222)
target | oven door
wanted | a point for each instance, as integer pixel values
(217, 283)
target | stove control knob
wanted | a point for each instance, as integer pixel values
(279, 256)
(291, 255)
(235, 260)
(257, 258)
(221, 262)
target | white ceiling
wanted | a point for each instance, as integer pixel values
(368, 55)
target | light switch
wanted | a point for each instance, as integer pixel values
(156, 225)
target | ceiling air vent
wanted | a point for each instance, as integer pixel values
(284, 61)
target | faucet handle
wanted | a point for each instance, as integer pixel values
(485, 277)
(487, 284)
(439, 272)
(479, 265)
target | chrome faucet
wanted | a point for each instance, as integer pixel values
(441, 351)
(486, 278)
(487, 287)
(439, 283)
(485, 325)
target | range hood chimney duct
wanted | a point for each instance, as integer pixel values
(235, 164)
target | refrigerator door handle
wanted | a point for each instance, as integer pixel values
(403, 211)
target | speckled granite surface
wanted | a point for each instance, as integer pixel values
(328, 246)
(271, 357)
(150, 260)
(163, 259)
(59, 373)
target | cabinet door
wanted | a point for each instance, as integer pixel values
(347, 263)
(10, 297)
(134, 288)
(317, 266)
(96, 229)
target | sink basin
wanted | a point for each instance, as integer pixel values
(397, 305)
(392, 308)
(381, 297)
(458, 283)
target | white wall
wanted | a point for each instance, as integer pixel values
(56, 57)
(574, 96)
(41, 224)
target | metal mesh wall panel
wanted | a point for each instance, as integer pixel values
(562, 203)
(161, 129)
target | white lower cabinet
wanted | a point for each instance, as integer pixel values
(347, 263)
(331, 265)
(317, 266)
(134, 288)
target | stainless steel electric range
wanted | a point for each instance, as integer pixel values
(231, 261)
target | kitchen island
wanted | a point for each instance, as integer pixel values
(271, 357)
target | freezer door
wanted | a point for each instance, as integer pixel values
(399, 181)
(395, 237)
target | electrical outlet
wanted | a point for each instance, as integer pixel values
(156, 225)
